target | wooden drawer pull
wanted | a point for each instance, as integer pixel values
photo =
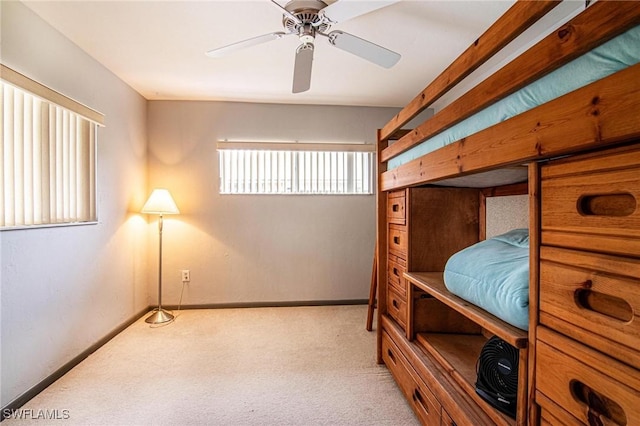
(392, 357)
(395, 207)
(607, 205)
(395, 304)
(600, 409)
(396, 272)
(396, 240)
(417, 397)
(604, 304)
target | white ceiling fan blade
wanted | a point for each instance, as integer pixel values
(245, 43)
(343, 10)
(365, 49)
(302, 68)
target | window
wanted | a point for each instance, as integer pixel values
(47, 155)
(254, 168)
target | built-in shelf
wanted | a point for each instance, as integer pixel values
(433, 284)
(458, 392)
(453, 332)
(458, 354)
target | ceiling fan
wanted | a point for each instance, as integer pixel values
(310, 18)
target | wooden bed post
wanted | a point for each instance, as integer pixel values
(534, 262)
(381, 241)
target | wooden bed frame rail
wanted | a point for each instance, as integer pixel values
(520, 17)
(601, 113)
(594, 26)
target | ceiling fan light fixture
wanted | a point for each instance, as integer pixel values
(307, 34)
(307, 39)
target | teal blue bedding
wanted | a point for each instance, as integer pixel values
(494, 275)
(606, 59)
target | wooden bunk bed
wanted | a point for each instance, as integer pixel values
(579, 359)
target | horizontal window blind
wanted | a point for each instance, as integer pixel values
(48, 158)
(244, 171)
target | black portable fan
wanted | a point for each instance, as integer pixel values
(497, 370)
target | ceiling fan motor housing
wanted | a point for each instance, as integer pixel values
(307, 11)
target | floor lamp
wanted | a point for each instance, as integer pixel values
(160, 202)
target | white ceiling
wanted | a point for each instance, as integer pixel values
(158, 48)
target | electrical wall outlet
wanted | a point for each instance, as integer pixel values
(186, 276)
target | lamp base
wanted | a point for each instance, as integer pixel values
(159, 316)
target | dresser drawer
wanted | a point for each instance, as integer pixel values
(396, 207)
(559, 417)
(596, 297)
(397, 306)
(396, 269)
(446, 419)
(424, 404)
(593, 203)
(591, 387)
(398, 240)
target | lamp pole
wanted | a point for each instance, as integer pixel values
(159, 316)
(160, 225)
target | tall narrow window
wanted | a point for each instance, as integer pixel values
(48, 156)
(308, 169)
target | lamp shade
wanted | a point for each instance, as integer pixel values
(160, 202)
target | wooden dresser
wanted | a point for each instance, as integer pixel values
(588, 336)
(579, 362)
(414, 216)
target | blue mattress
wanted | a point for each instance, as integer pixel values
(606, 59)
(494, 275)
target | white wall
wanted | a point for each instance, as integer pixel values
(65, 288)
(260, 248)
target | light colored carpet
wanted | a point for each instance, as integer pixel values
(257, 366)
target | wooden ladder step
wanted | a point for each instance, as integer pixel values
(372, 292)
